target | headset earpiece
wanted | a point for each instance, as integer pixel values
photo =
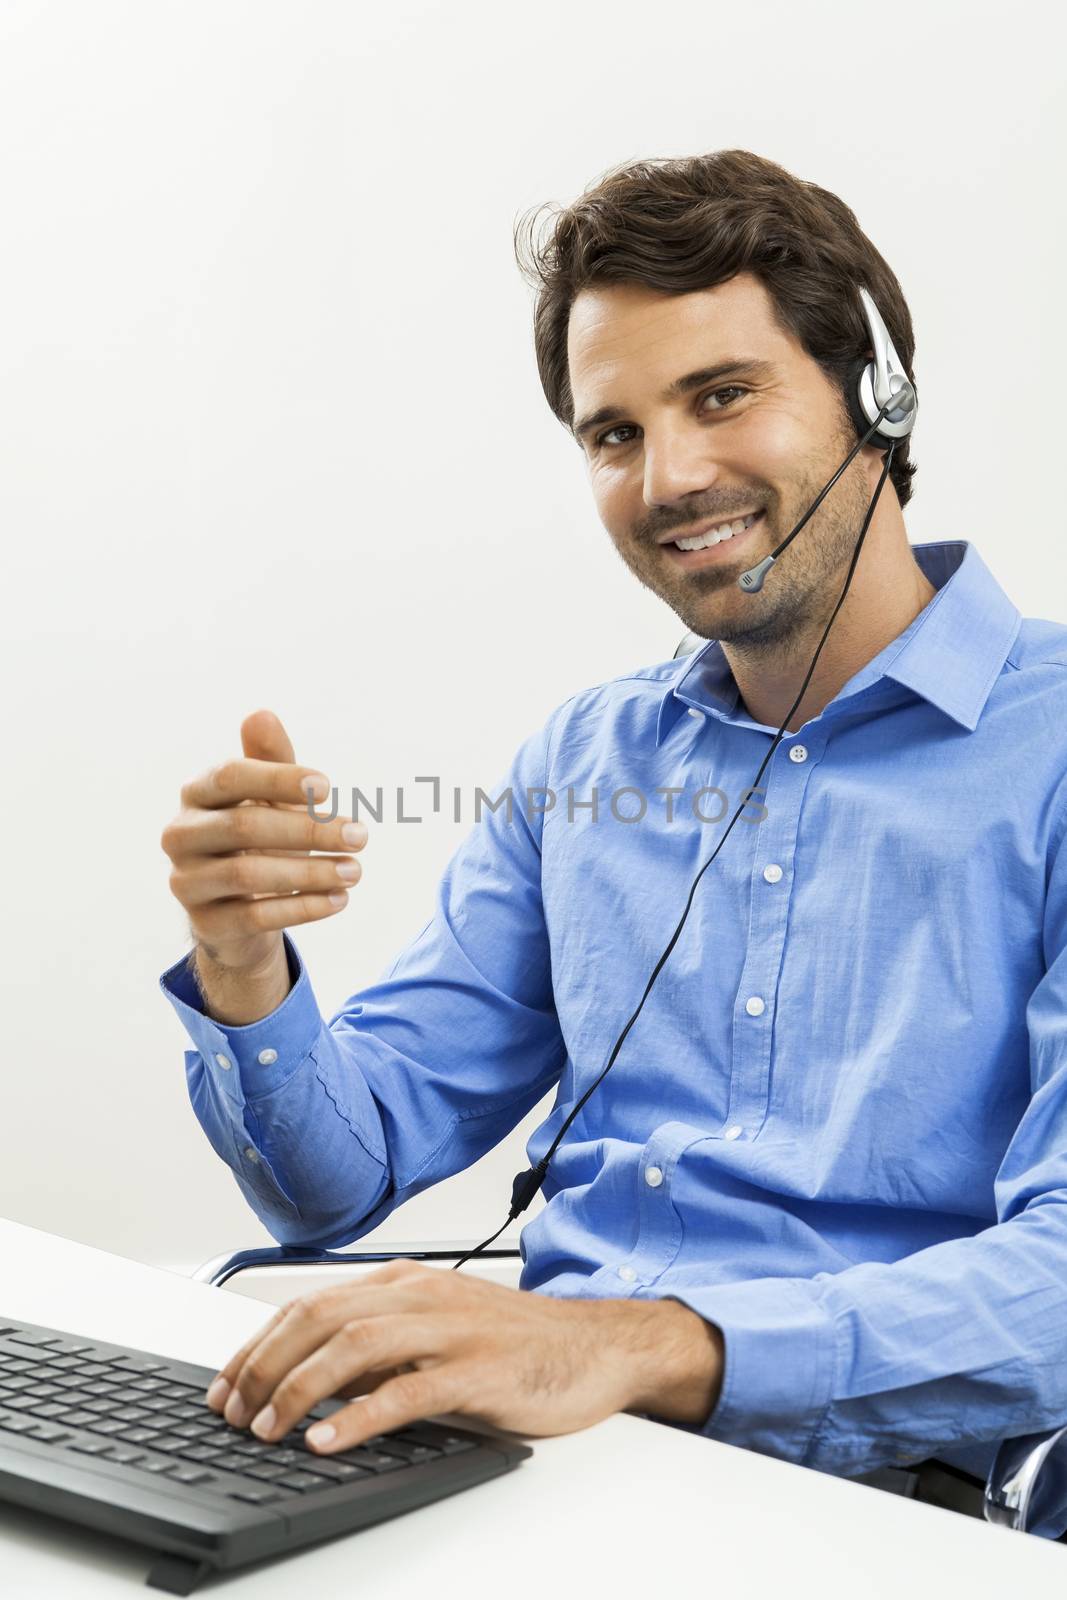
(871, 382)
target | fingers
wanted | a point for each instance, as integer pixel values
(221, 1386)
(363, 1345)
(409, 1397)
(233, 781)
(210, 832)
(299, 1327)
(241, 919)
(263, 735)
(205, 879)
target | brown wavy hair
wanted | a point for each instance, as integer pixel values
(680, 224)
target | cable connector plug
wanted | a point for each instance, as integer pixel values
(524, 1187)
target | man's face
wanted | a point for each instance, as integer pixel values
(766, 440)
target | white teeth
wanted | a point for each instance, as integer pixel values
(729, 530)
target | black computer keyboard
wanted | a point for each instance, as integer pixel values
(116, 1419)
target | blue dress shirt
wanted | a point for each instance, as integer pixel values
(837, 1130)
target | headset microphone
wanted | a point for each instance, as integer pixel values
(882, 381)
(883, 406)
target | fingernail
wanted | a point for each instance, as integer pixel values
(235, 1409)
(348, 871)
(338, 898)
(218, 1391)
(354, 832)
(265, 1421)
(318, 784)
(321, 1434)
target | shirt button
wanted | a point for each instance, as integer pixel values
(772, 874)
(693, 712)
(253, 1155)
(798, 752)
(735, 1132)
(224, 1062)
(267, 1058)
(627, 1274)
(755, 1006)
(653, 1177)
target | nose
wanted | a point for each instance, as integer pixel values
(678, 462)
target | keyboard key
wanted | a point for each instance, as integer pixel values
(39, 1339)
(136, 1364)
(90, 1447)
(50, 1432)
(407, 1450)
(265, 1471)
(108, 1427)
(190, 1474)
(156, 1464)
(16, 1424)
(337, 1471)
(231, 1463)
(300, 1481)
(128, 1435)
(81, 1419)
(257, 1494)
(168, 1444)
(374, 1460)
(125, 1455)
(50, 1409)
(127, 1395)
(286, 1458)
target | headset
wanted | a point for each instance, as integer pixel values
(883, 406)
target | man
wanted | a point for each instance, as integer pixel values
(817, 1207)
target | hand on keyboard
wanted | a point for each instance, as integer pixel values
(528, 1362)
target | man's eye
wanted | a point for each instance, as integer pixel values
(620, 427)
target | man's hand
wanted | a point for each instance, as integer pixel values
(414, 1341)
(249, 860)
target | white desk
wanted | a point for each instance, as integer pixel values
(628, 1507)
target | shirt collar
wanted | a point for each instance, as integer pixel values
(950, 654)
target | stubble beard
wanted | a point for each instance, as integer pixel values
(802, 586)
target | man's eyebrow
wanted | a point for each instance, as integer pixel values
(734, 367)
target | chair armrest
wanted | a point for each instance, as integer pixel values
(1024, 1487)
(221, 1269)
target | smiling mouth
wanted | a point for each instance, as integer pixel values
(713, 546)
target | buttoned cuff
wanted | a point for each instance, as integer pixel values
(257, 1058)
(778, 1364)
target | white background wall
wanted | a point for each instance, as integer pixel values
(271, 433)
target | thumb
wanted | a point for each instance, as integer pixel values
(264, 738)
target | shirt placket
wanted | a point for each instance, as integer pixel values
(773, 879)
